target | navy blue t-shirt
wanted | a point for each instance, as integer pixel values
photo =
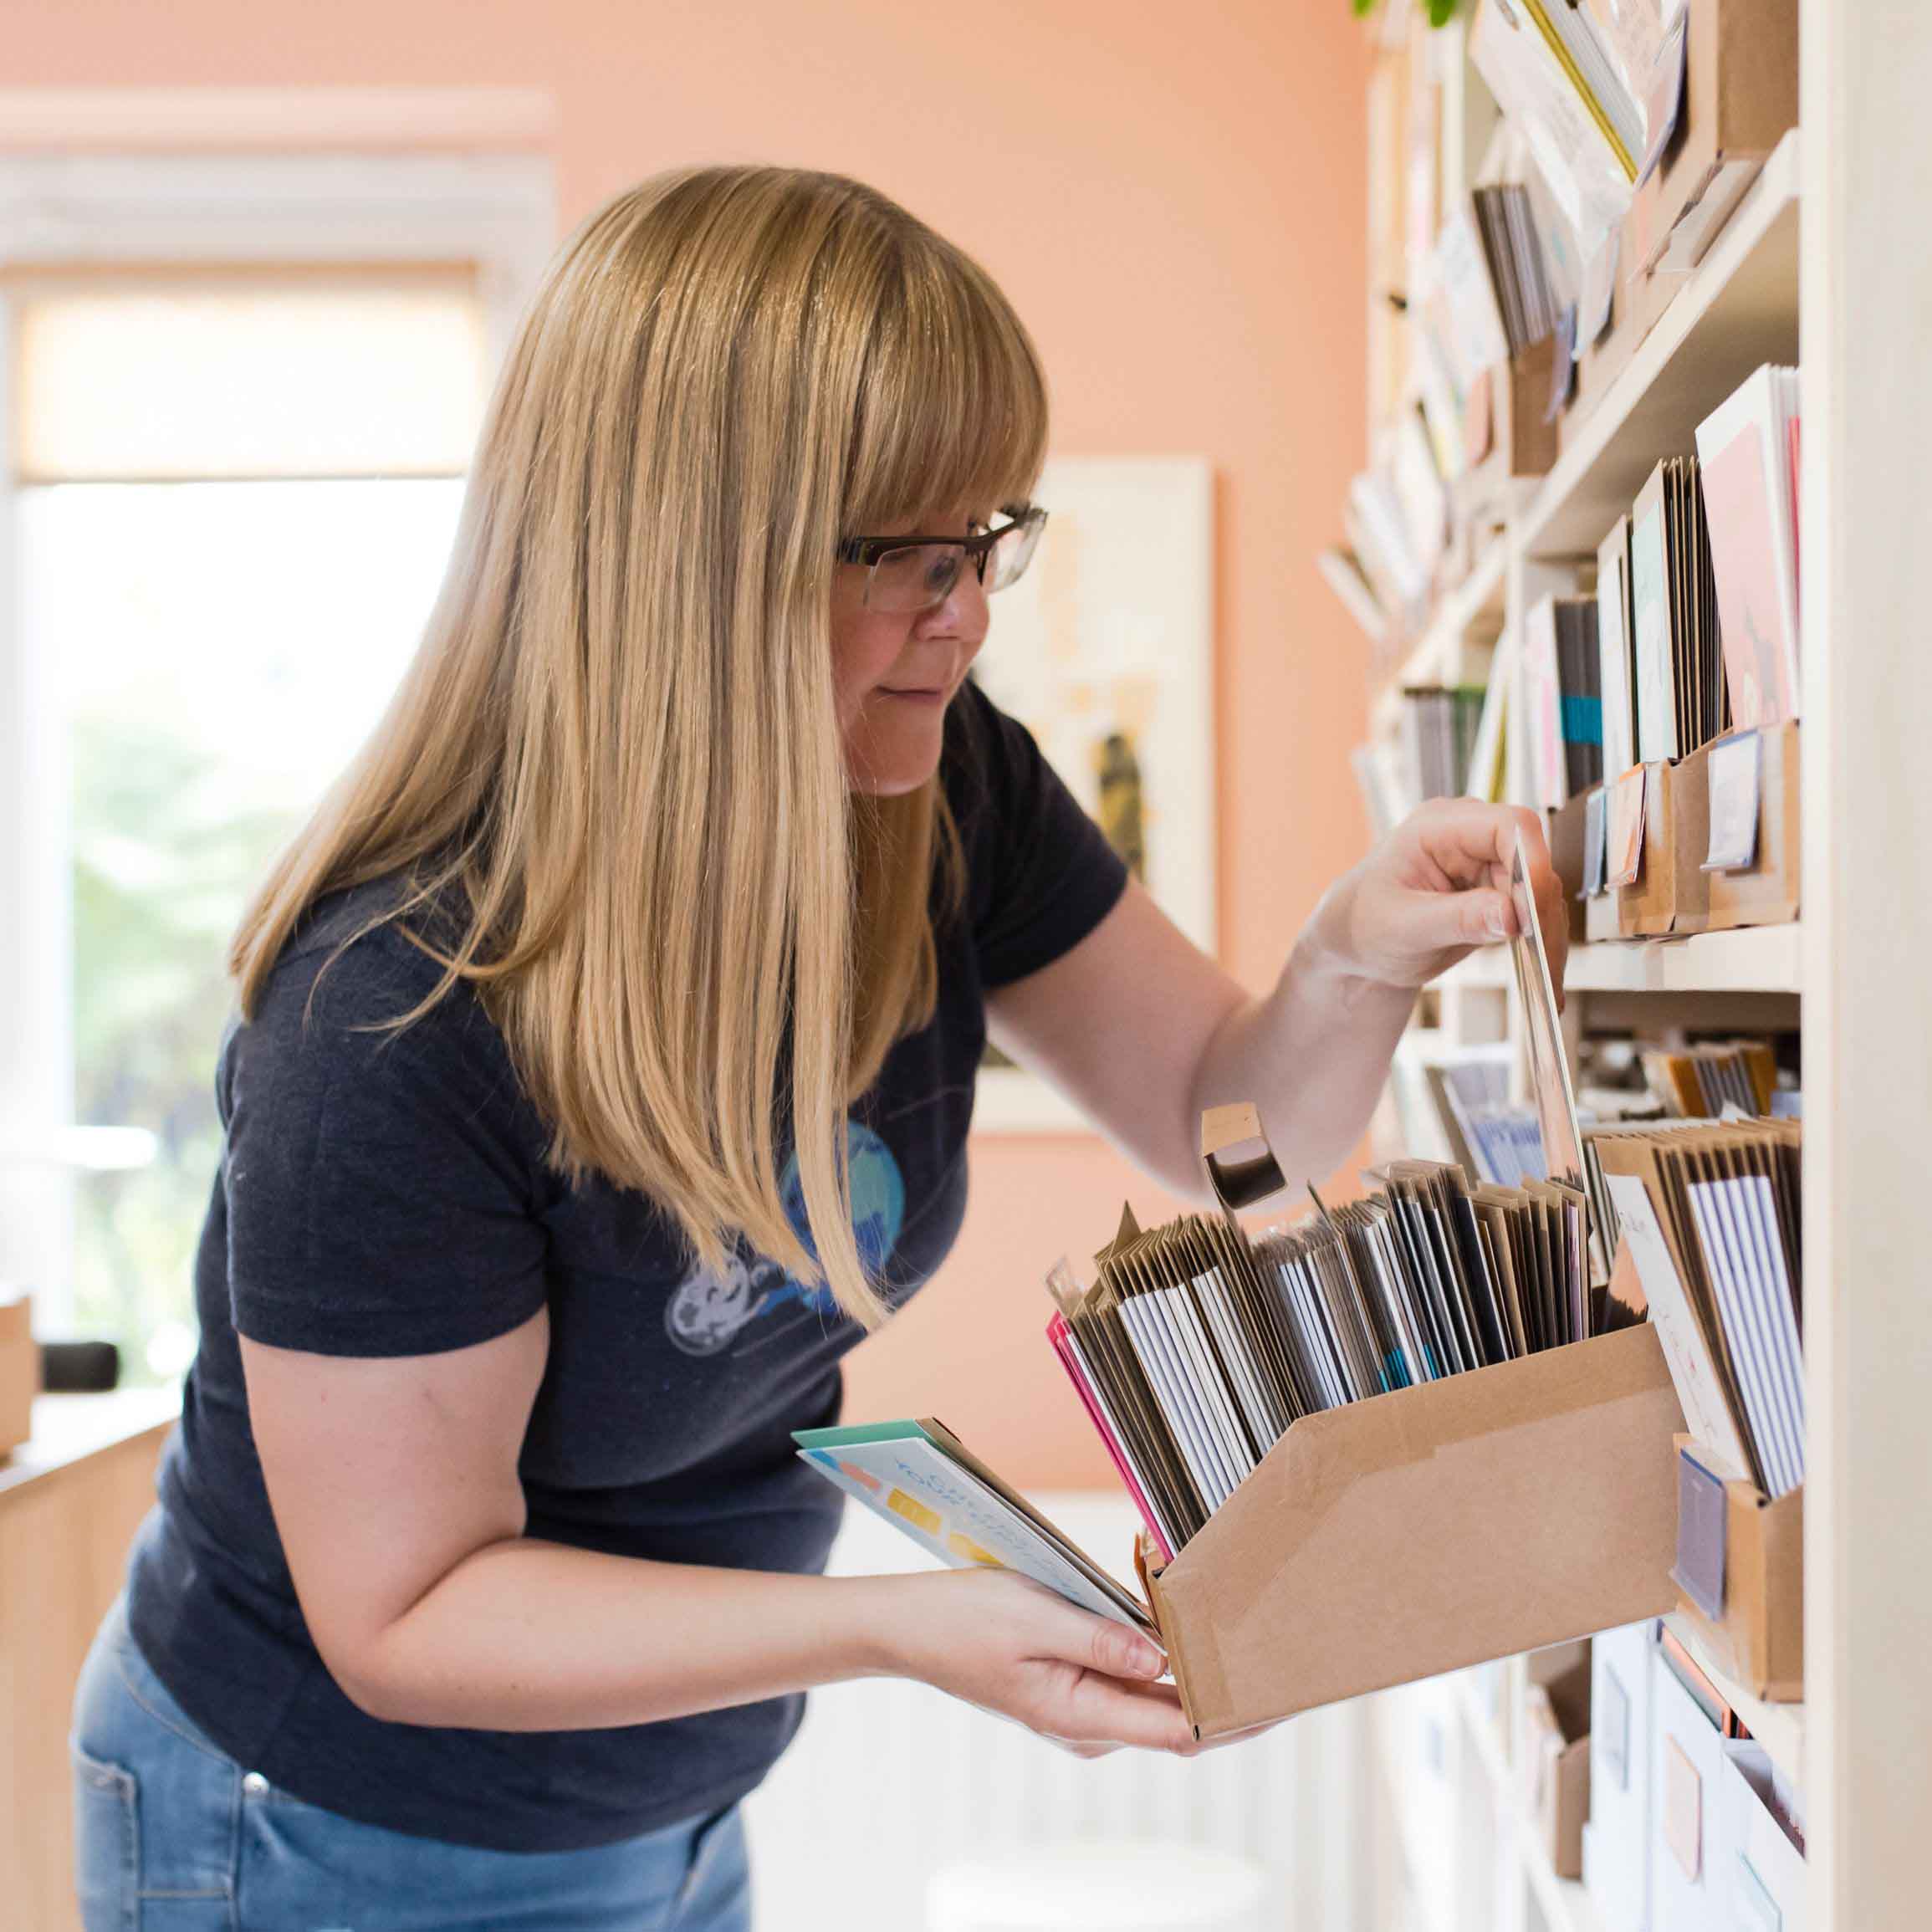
(387, 1194)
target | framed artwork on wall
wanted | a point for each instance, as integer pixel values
(1104, 650)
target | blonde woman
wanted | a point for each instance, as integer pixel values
(604, 1068)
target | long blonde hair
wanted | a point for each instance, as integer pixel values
(615, 752)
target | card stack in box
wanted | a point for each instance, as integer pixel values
(1752, 869)
(1655, 894)
(1427, 1528)
(1739, 97)
(1464, 1517)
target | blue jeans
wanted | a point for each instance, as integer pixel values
(171, 1835)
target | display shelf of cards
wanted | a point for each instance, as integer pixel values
(1780, 1728)
(1750, 959)
(1857, 1744)
(1737, 309)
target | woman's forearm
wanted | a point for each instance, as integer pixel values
(529, 1635)
(1313, 1056)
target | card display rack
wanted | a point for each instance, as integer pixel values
(1457, 1833)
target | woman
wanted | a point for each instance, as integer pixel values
(604, 1070)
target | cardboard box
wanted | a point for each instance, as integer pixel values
(19, 1371)
(1616, 1839)
(1752, 1625)
(1517, 444)
(1669, 895)
(1555, 1753)
(1525, 438)
(1741, 97)
(1768, 892)
(1462, 1519)
(1566, 833)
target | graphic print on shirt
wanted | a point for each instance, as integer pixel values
(711, 1309)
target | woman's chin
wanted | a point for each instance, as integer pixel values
(892, 757)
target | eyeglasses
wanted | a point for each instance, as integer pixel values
(911, 573)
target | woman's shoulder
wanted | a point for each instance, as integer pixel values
(359, 977)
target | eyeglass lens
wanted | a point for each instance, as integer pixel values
(922, 575)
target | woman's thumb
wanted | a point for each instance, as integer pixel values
(1475, 917)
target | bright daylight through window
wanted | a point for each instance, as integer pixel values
(227, 550)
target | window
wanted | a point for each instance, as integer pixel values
(233, 493)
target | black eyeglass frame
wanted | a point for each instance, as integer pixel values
(868, 550)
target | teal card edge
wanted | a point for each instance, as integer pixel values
(903, 1431)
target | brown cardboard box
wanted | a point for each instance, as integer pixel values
(19, 1371)
(1760, 1639)
(1767, 892)
(1527, 441)
(1740, 96)
(1565, 831)
(1557, 1753)
(1519, 444)
(1672, 891)
(1462, 1519)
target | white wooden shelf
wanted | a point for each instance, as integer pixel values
(1780, 1728)
(1750, 959)
(1737, 308)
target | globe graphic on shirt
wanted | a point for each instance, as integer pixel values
(878, 1206)
(710, 1308)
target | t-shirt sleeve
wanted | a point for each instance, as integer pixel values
(1042, 874)
(381, 1200)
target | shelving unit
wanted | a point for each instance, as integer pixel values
(1750, 959)
(1818, 246)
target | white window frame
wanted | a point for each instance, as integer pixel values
(495, 210)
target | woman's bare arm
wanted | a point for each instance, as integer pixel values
(395, 1489)
(1143, 1030)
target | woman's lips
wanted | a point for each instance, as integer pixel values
(917, 694)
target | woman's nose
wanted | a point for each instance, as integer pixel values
(961, 612)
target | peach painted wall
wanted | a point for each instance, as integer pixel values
(1173, 198)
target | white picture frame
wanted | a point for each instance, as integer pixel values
(1110, 635)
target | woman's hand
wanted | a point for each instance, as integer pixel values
(1435, 889)
(999, 1640)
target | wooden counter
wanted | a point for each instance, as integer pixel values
(70, 1499)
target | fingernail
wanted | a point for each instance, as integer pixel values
(1498, 925)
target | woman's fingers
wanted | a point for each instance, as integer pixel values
(1467, 854)
(1462, 838)
(1110, 1710)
